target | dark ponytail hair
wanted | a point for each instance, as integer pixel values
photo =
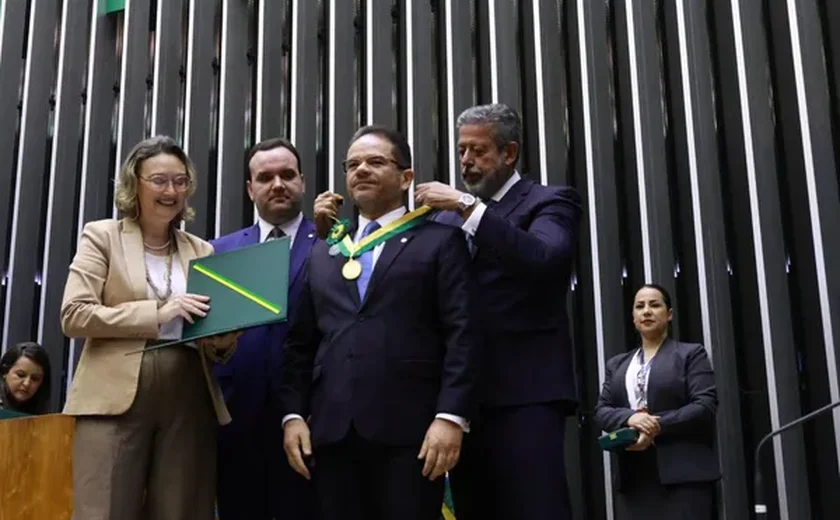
(39, 402)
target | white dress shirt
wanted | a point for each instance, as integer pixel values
(290, 227)
(471, 224)
(383, 221)
(156, 267)
(630, 380)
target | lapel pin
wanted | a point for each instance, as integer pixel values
(310, 235)
(404, 240)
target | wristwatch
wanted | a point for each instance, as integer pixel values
(465, 202)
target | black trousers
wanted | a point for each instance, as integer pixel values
(356, 479)
(513, 466)
(255, 480)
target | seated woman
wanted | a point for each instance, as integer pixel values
(25, 379)
(666, 391)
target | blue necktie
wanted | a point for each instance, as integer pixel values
(367, 261)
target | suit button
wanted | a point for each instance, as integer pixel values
(362, 318)
(350, 355)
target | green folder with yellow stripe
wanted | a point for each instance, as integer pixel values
(248, 287)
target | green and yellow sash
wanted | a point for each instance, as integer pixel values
(350, 250)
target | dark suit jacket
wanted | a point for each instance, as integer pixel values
(389, 363)
(257, 364)
(681, 390)
(525, 249)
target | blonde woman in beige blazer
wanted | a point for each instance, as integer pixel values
(145, 439)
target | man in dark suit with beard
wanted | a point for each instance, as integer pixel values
(381, 356)
(522, 238)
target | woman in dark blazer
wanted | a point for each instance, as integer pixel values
(666, 390)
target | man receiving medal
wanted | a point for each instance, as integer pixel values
(381, 357)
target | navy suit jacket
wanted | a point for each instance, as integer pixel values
(525, 247)
(388, 364)
(256, 366)
(681, 390)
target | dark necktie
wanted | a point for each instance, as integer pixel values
(275, 234)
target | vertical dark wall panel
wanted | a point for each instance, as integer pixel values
(481, 35)
(821, 184)
(630, 233)
(60, 233)
(167, 81)
(24, 276)
(235, 83)
(693, 108)
(458, 91)
(642, 124)
(689, 318)
(736, 116)
(96, 184)
(100, 94)
(343, 81)
(497, 26)
(830, 18)
(381, 79)
(12, 30)
(134, 70)
(272, 90)
(418, 86)
(305, 94)
(811, 201)
(765, 328)
(545, 103)
(198, 116)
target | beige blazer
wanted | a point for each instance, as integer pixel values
(105, 302)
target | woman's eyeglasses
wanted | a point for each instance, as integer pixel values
(160, 182)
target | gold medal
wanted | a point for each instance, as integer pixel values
(351, 270)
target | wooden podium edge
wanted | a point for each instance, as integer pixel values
(36, 465)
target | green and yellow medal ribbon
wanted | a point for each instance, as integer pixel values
(404, 223)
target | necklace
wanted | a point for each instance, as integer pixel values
(157, 248)
(167, 277)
